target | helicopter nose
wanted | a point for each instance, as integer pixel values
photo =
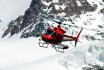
(47, 37)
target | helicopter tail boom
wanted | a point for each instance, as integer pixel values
(71, 38)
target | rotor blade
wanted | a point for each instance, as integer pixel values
(80, 27)
(74, 25)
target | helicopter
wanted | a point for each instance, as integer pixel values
(55, 36)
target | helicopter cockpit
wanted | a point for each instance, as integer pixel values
(50, 33)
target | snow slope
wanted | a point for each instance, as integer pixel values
(91, 53)
(25, 54)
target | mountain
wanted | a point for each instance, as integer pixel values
(10, 10)
(33, 22)
(24, 53)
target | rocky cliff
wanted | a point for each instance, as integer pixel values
(32, 23)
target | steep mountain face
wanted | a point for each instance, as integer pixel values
(31, 13)
(26, 20)
(33, 22)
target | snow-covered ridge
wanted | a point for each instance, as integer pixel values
(84, 55)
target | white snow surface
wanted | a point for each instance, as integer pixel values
(25, 54)
(91, 53)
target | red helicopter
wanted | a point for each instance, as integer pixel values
(55, 36)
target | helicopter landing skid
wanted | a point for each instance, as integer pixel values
(44, 45)
(61, 48)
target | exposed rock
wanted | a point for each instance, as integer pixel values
(37, 31)
(31, 13)
(53, 10)
(90, 38)
(73, 8)
(101, 34)
(102, 10)
(31, 17)
(94, 67)
(47, 0)
(13, 27)
(26, 20)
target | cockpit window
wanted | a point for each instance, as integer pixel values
(51, 33)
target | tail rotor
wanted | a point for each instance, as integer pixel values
(76, 40)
